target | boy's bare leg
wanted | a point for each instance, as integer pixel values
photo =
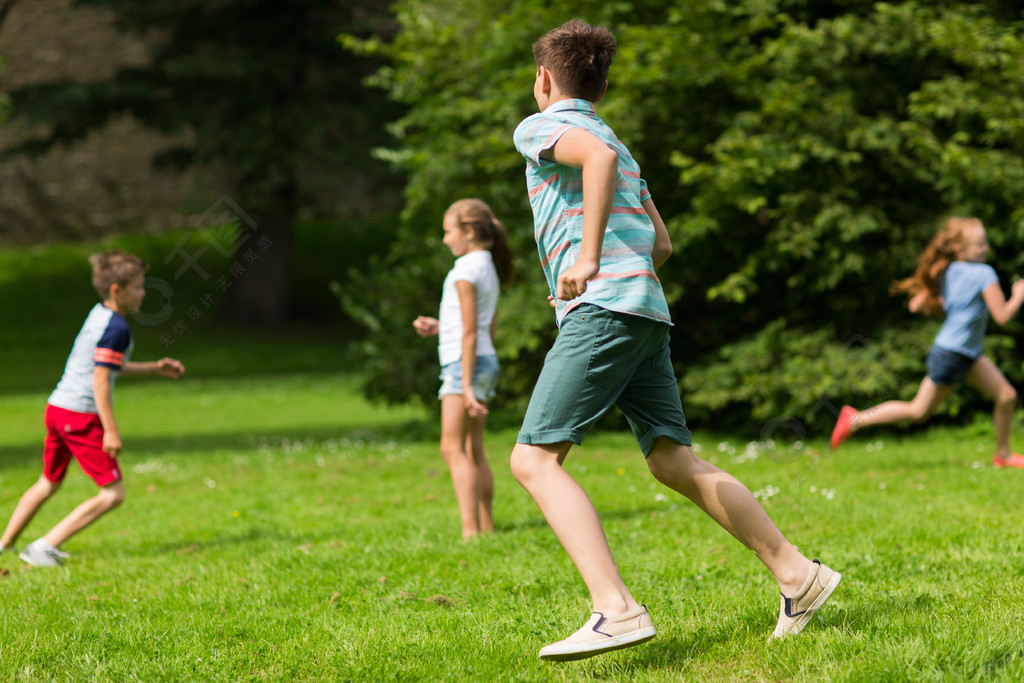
(108, 498)
(27, 507)
(574, 520)
(733, 506)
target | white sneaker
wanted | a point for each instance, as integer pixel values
(795, 612)
(41, 554)
(602, 635)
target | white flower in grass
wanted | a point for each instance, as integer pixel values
(697, 448)
(881, 485)
(661, 498)
(210, 482)
(723, 447)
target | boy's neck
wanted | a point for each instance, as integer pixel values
(112, 305)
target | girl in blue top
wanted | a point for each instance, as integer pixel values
(469, 362)
(953, 278)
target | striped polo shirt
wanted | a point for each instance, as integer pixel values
(103, 340)
(626, 282)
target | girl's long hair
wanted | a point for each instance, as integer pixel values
(475, 215)
(940, 252)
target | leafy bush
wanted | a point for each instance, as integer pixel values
(801, 153)
(796, 380)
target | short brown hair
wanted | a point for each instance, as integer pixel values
(114, 268)
(578, 56)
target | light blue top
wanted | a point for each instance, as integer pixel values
(104, 339)
(966, 312)
(626, 282)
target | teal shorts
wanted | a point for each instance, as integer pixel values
(600, 359)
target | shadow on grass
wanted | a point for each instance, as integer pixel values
(141, 447)
(191, 545)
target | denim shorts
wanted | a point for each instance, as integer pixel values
(600, 359)
(485, 378)
(947, 367)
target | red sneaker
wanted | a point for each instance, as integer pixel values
(1015, 460)
(842, 430)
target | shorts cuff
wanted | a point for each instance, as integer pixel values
(680, 435)
(551, 436)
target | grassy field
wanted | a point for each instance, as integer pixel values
(278, 528)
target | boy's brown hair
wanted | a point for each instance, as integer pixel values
(114, 268)
(578, 56)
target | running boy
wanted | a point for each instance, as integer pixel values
(80, 411)
(600, 238)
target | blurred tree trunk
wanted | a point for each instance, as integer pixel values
(263, 263)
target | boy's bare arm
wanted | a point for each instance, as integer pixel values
(600, 164)
(168, 367)
(662, 243)
(103, 396)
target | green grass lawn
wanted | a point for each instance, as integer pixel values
(278, 528)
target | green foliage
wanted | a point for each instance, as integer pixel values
(260, 89)
(801, 153)
(5, 101)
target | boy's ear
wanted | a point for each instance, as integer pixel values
(544, 76)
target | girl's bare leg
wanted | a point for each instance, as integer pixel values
(987, 379)
(454, 438)
(484, 476)
(929, 397)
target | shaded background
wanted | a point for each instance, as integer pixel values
(802, 154)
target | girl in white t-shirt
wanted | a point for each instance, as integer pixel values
(953, 279)
(469, 362)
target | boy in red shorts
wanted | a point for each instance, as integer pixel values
(80, 412)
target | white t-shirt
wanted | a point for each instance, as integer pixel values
(477, 268)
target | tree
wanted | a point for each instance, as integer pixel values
(802, 153)
(260, 87)
(5, 102)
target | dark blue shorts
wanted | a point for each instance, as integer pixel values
(947, 367)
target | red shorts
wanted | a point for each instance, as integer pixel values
(81, 435)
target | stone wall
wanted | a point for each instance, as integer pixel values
(101, 185)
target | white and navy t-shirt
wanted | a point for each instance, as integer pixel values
(103, 340)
